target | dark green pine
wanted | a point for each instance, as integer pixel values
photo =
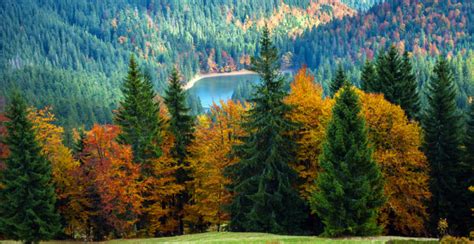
(181, 125)
(368, 78)
(469, 157)
(443, 128)
(389, 75)
(27, 198)
(339, 81)
(262, 180)
(410, 99)
(350, 185)
(138, 116)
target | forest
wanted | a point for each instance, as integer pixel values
(372, 134)
(361, 161)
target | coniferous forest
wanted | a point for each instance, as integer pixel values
(361, 123)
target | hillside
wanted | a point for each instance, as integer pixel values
(54, 49)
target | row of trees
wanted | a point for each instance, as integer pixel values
(298, 162)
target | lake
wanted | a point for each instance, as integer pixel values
(214, 89)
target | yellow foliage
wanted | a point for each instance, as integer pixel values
(70, 193)
(215, 135)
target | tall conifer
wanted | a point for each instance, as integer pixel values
(265, 199)
(27, 197)
(368, 77)
(443, 128)
(410, 99)
(138, 117)
(350, 185)
(181, 125)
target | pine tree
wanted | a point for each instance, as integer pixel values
(339, 81)
(409, 100)
(138, 117)
(443, 128)
(350, 186)
(368, 77)
(27, 197)
(181, 125)
(469, 157)
(262, 180)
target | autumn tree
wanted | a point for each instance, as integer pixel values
(312, 112)
(111, 179)
(216, 134)
(181, 126)
(27, 198)
(350, 187)
(397, 142)
(138, 117)
(338, 81)
(443, 128)
(71, 200)
(265, 199)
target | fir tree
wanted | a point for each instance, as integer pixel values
(409, 98)
(339, 81)
(262, 181)
(27, 197)
(368, 77)
(138, 116)
(181, 125)
(350, 186)
(443, 128)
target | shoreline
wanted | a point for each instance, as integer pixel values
(199, 77)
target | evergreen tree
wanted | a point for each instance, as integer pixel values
(368, 77)
(262, 181)
(350, 186)
(443, 128)
(138, 116)
(409, 100)
(389, 75)
(469, 159)
(339, 81)
(27, 197)
(181, 125)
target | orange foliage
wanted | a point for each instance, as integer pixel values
(108, 170)
(215, 134)
(69, 191)
(396, 141)
(313, 113)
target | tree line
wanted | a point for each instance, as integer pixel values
(359, 162)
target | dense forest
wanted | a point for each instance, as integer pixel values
(362, 123)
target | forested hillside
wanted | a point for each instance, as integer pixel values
(78, 49)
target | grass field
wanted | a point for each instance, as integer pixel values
(255, 238)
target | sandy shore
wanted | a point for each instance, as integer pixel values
(202, 76)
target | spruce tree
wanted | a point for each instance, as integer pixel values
(368, 77)
(350, 185)
(262, 180)
(410, 99)
(339, 81)
(27, 197)
(389, 75)
(138, 117)
(443, 128)
(181, 125)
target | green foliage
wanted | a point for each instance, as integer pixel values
(262, 180)
(443, 128)
(409, 98)
(138, 116)
(181, 126)
(27, 197)
(339, 81)
(368, 78)
(350, 187)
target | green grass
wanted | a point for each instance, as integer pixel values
(256, 238)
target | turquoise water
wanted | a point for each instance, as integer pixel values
(214, 89)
